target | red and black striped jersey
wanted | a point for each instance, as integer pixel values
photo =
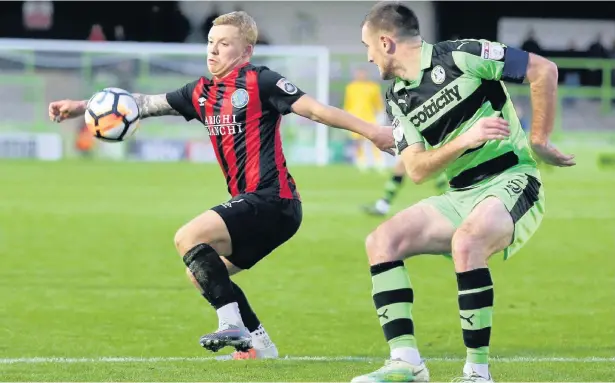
(242, 114)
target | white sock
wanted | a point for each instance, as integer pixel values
(229, 314)
(480, 369)
(382, 206)
(260, 338)
(407, 354)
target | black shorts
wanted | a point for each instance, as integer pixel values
(258, 224)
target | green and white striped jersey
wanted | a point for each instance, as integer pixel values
(460, 82)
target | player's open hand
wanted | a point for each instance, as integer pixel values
(486, 129)
(65, 109)
(552, 156)
(383, 139)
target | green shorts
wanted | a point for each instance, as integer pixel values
(519, 188)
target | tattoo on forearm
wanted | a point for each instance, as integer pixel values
(154, 105)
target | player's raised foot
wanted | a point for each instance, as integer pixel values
(227, 335)
(379, 208)
(396, 370)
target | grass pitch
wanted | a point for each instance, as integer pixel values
(88, 271)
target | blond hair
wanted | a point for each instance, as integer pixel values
(244, 22)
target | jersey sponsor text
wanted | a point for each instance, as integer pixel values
(435, 104)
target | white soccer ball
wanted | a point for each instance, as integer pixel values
(112, 115)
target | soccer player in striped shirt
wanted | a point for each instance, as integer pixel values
(241, 107)
(451, 112)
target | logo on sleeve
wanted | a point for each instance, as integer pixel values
(286, 86)
(398, 135)
(438, 75)
(492, 51)
(240, 98)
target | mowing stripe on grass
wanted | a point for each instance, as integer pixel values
(513, 359)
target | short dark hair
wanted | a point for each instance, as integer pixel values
(394, 17)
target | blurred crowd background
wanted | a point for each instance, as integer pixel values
(296, 38)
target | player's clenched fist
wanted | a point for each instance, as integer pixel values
(383, 139)
(65, 109)
(485, 129)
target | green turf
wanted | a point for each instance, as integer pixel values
(88, 270)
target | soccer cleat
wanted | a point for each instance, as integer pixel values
(379, 208)
(227, 335)
(473, 377)
(270, 352)
(396, 370)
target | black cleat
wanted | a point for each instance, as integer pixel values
(230, 335)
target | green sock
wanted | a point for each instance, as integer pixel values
(393, 298)
(476, 312)
(391, 188)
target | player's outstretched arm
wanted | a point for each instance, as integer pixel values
(149, 106)
(154, 105)
(308, 107)
(65, 109)
(175, 103)
(286, 97)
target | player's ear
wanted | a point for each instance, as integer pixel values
(249, 50)
(387, 44)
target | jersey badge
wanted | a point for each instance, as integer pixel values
(492, 51)
(201, 101)
(240, 98)
(286, 86)
(438, 75)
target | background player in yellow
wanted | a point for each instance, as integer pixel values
(363, 99)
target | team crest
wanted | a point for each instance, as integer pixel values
(286, 86)
(240, 98)
(438, 75)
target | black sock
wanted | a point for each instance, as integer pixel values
(248, 317)
(476, 312)
(211, 274)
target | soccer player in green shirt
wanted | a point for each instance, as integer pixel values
(451, 112)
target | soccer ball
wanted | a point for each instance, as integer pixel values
(112, 115)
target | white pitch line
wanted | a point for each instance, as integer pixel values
(514, 359)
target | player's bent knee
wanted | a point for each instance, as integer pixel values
(180, 239)
(380, 247)
(207, 228)
(370, 243)
(468, 251)
(187, 237)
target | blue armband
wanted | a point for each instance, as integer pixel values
(515, 65)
